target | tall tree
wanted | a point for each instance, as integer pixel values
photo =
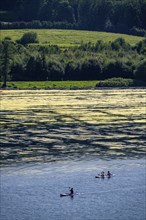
(64, 11)
(75, 4)
(7, 5)
(7, 48)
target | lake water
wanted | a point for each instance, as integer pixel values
(52, 125)
(32, 192)
(52, 140)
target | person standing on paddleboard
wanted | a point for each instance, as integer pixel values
(109, 174)
(71, 191)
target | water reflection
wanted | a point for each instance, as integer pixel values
(72, 124)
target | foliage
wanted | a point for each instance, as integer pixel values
(28, 38)
(55, 70)
(120, 82)
(141, 47)
(7, 48)
(140, 72)
(120, 44)
(118, 69)
(126, 16)
(89, 61)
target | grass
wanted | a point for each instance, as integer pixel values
(52, 85)
(67, 38)
(113, 82)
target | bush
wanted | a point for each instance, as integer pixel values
(90, 69)
(116, 82)
(55, 71)
(17, 72)
(28, 38)
(118, 69)
(120, 82)
(141, 47)
(100, 45)
(72, 70)
(119, 44)
(140, 73)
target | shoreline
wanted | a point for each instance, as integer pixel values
(112, 83)
(80, 88)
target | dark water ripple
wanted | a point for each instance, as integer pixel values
(73, 124)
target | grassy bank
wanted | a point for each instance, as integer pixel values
(114, 82)
(67, 38)
(51, 85)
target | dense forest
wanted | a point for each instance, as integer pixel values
(126, 16)
(20, 61)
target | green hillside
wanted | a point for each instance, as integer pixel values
(67, 38)
(71, 55)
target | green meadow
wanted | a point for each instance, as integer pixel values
(67, 38)
(91, 84)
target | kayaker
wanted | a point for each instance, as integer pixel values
(102, 174)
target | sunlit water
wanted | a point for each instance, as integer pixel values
(51, 125)
(60, 139)
(32, 192)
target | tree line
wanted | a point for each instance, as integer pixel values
(20, 61)
(127, 16)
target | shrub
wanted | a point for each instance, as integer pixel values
(100, 45)
(17, 72)
(140, 72)
(141, 47)
(72, 70)
(55, 70)
(90, 69)
(27, 38)
(118, 69)
(115, 82)
(120, 43)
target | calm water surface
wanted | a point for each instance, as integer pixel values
(32, 192)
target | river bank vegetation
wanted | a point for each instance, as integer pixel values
(74, 85)
(27, 60)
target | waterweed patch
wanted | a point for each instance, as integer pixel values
(51, 125)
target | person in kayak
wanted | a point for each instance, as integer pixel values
(102, 174)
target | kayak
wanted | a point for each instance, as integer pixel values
(106, 176)
(66, 194)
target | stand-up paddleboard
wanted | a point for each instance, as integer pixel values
(66, 194)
